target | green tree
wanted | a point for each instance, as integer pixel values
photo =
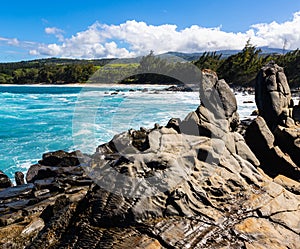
(5, 79)
(209, 60)
(241, 68)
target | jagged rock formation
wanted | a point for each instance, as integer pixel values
(272, 158)
(192, 184)
(273, 96)
(274, 136)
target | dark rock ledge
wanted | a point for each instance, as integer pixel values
(233, 192)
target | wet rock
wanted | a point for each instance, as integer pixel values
(16, 192)
(19, 178)
(175, 124)
(32, 173)
(255, 113)
(179, 88)
(61, 158)
(5, 182)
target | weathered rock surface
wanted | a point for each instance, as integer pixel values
(217, 97)
(288, 139)
(272, 159)
(274, 136)
(192, 184)
(215, 199)
(273, 96)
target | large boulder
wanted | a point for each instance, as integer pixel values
(56, 163)
(61, 158)
(273, 96)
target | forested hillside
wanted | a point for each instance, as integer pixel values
(49, 71)
(238, 69)
(241, 68)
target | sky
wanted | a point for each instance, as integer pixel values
(109, 29)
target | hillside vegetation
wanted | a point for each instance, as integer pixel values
(238, 69)
(241, 68)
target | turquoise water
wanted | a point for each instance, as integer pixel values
(38, 119)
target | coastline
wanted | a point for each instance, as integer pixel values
(87, 85)
(163, 187)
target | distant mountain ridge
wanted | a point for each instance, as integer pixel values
(169, 55)
(225, 53)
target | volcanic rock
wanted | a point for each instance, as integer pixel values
(19, 177)
(273, 96)
(4, 181)
(191, 184)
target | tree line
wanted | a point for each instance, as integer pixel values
(49, 71)
(239, 69)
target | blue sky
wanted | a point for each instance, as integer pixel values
(97, 29)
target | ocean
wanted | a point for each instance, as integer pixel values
(39, 119)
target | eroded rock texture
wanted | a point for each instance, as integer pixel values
(192, 184)
(273, 96)
(225, 202)
(274, 136)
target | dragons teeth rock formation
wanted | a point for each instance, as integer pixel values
(274, 136)
(273, 96)
(192, 184)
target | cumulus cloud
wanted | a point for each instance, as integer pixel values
(55, 31)
(276, 34)
(134, 38)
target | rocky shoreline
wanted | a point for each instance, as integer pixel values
(208, 181)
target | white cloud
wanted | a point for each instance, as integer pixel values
(275, 34)
(33, 52)
(134, 38)
(10, 41)
(55, 31)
